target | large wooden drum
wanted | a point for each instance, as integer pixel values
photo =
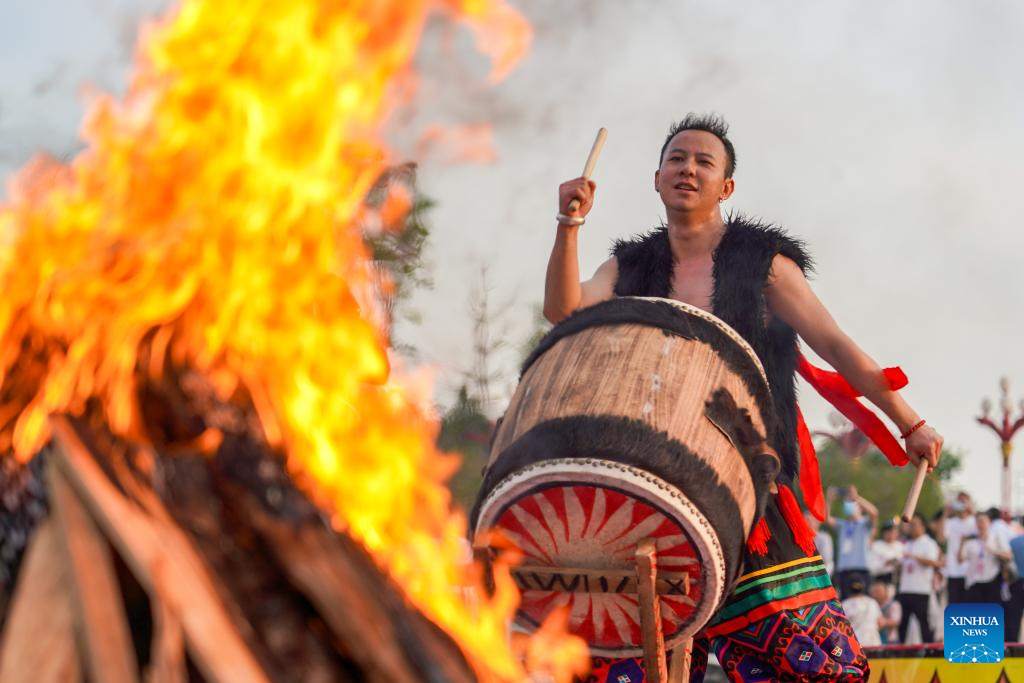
(634, 419)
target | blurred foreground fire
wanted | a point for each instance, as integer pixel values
(211, 224)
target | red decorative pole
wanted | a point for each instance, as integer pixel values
(1004, 428)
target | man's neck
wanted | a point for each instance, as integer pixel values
(694, 235)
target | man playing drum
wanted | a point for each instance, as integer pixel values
(783, 621)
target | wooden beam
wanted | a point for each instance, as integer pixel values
(168, 651)
(100, 620)
(652, 638)
(38, 642)
(679, 668)
(146, 542)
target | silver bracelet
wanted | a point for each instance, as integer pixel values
(570, 220)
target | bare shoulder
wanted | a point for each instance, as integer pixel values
(601, 286)
(784, 271)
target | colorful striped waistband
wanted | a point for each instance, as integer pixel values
(764, 592)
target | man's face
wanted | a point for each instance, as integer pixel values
(879, 593)
(889, 535)
(692, 173)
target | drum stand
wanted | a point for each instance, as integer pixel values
(646, 583)
(650, 621)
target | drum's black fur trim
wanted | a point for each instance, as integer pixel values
(632, 442)
(668, 318)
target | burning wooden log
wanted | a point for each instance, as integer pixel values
(38, 643)
(253, 587)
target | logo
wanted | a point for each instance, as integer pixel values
(973, 633)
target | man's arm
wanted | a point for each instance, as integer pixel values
(872, 512)
(932, 557)
(791, 299)
(890, 622)
(563, 291)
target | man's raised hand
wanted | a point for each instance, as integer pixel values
(924, 443)
(580, 189)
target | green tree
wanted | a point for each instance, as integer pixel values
(466, 430)
(396, 231)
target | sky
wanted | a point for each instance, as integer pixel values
(885, 134)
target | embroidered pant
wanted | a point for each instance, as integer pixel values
(812, 643)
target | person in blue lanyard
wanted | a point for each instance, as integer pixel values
(855, 531)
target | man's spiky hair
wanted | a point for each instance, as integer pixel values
(709, 123)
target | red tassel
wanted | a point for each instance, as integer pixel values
(790, 509)
(757, 542)
(810, 475)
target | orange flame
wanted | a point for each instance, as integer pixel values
(213, 212)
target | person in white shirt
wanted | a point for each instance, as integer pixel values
(864, 614)
(885, 554)
(920, 560)
(983, 554)
(958, 526)
(1002, 533)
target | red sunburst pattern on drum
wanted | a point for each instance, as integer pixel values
(587, 526)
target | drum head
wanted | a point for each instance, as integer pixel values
(583, 513)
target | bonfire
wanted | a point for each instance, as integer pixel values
(240, 487)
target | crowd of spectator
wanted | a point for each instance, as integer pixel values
(896, 578)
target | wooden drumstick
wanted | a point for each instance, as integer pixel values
(588, 169)
(915, 491)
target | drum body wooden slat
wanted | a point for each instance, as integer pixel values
(609, 441)
(661, 380)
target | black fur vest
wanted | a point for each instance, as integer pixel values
(741, 265)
